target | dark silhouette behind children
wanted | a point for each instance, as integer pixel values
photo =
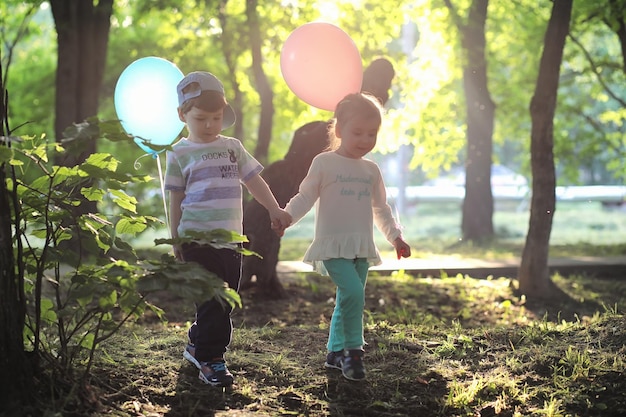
(284, 178)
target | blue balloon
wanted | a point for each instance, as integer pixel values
(146, 101)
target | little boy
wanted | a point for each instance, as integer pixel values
(204, 173)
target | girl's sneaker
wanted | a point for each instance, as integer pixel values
(352, 365)
(190, 354)
(216, 373)
(334, 360)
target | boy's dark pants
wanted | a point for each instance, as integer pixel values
(211, 333)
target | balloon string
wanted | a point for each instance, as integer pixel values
(167, 220)
(137, 164)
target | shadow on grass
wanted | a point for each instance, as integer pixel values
(562, 307)
(385, 393)
(577, 297)
(194, 398)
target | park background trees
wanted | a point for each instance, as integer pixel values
(427, 109)
(461, 92)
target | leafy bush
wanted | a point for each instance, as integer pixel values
(81, 280)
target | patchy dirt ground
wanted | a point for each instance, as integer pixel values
(436, 347)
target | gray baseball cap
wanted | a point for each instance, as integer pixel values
(207, 82)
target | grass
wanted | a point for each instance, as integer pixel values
(453, 346)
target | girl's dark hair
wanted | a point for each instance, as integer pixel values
(208, 100)
(353, 105)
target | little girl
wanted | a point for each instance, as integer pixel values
(352, 199)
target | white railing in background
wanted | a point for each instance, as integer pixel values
(606, 194)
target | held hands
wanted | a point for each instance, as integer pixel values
(280, 221)
(403, 250)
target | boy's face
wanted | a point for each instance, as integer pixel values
(203, 126)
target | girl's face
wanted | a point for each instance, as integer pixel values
(203, 126)
(358, 136)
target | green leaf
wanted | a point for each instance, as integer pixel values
(232, 297)
(68, 176)
(103, 161)
(108, 302)
(124, 200)
(152, 282)
(95, 221)
(6, 154)
(124, 246)
(113, 130)
(130, 225)
(77, 129)
(47, 311)
(40, 233)
(41, 152)
(88, 341)
(93, 193)
(218, 238)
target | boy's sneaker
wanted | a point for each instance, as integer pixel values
(352, 365)
(334, 360)
(190, 354)
(216, 373)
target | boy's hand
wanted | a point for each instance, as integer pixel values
(278, 229)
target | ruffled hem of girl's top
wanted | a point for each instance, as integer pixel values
(341, 246)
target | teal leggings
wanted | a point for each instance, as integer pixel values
(346, 325)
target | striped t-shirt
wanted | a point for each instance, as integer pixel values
(210, 175)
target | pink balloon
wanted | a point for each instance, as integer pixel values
(321, 64)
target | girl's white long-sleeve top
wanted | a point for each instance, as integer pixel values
(351, 198)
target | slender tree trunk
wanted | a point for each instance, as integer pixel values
(229, 38)
(16, 371)
(82, 38)
(534, 277)
(477, 219)
(262, 85)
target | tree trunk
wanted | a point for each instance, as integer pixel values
(228, 42)
(82, 38)
(534, 277)
(262, 85)
(16, 370)
(477, 220)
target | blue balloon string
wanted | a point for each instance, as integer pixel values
(137, 165)
(167, 220)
